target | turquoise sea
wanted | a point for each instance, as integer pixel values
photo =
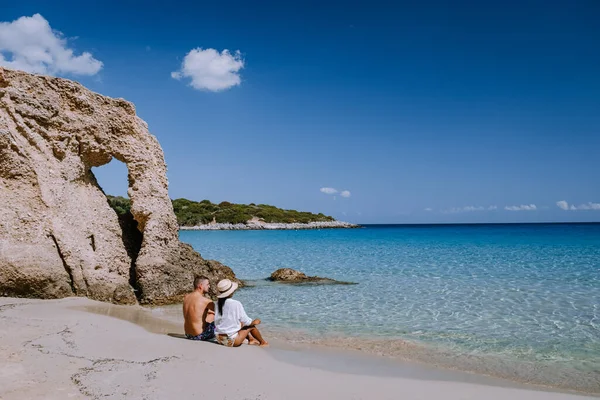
(520, 301)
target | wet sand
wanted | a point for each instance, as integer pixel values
(400, 358)
(308, 355)
(54, 349)
(461, 366)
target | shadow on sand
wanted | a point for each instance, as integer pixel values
(182, 336)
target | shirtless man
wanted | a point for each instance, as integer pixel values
(199, 312)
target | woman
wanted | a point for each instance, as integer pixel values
(232, 325)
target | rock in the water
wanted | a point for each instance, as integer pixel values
(58, 235)
(288, 275)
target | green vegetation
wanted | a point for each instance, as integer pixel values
(190, 213)
(120, 204)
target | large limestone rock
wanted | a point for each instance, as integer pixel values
(58, 235)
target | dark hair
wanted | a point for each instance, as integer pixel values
(198, 280)
(221, 303)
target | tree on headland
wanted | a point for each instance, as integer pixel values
(121, 205)
(191, 213)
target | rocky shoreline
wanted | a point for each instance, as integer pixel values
(254, 225)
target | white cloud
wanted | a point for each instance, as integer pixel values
(492, 208)
(428, 209)
(589, 206)
(455, 210)
(328, 190)
(30, 44)
(586, 206)
(210, 70)
(345, 193)
(452, 210)
(522, 207)
(473, 208)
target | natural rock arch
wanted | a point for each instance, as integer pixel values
(58, 235)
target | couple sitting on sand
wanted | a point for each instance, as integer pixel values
(227, 322)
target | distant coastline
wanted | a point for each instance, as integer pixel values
(207, 216)
(260, 225)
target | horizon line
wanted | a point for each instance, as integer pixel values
(480, 223)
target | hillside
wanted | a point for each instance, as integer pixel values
(192, 213)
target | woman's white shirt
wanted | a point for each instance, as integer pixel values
(232, 319)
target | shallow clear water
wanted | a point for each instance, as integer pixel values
(518, 292)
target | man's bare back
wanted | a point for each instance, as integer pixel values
(198, 311)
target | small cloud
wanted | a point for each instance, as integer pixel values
(345, 193)
(428, 209)
(589, 206)
(33, 46)
(328, 190)
(455, 210)
(522, 207)
(586, 206)
(473, 208)
(492, 208)
(210, 70)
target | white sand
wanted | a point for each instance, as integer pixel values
(50, 350)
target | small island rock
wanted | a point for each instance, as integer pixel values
(289, 275)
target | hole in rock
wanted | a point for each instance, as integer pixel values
(113, 180)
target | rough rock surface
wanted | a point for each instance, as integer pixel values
(288, 275)
(58, 235)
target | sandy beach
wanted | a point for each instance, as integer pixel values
(228, 150)
(65, 349)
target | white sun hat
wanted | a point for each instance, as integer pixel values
(225, 288)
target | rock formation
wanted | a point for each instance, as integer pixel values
(58, 235)
(288, 275)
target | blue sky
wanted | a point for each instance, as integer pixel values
(444, 111)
